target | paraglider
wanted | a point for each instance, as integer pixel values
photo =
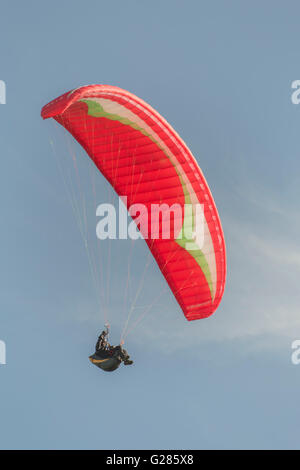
(147, 163)
(108, 357)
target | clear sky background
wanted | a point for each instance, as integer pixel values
(221, 74)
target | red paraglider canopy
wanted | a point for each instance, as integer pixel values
(144, 159)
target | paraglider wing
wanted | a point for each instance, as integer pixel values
(143, 158)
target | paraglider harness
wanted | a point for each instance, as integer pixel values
(109, 357)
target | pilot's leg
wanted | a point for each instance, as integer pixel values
(126, 358)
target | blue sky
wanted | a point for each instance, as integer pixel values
(221, 74)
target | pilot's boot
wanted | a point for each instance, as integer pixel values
(128, 362)
(126, 358)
